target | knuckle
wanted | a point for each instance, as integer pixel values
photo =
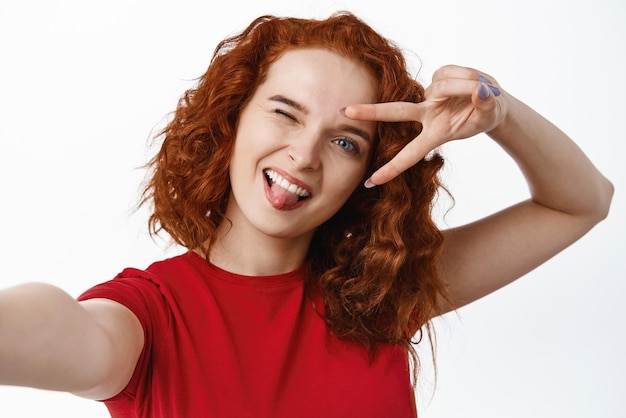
(443, 71)
(472, 73)
(410, 111)
(403, 110)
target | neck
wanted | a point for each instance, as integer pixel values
(257, 254)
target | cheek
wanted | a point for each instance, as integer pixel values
(258, 140)
(344, 186)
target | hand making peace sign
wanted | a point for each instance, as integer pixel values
(460, 103)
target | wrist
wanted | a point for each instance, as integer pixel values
(511, 122)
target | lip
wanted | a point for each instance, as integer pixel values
(291, 180)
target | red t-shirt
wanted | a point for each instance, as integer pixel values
(219, 344)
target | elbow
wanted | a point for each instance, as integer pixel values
(602, 200)
(606, 199)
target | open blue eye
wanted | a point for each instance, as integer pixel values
(348, 145)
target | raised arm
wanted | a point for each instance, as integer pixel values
(568, 194)
(50, 341)
(568, 197)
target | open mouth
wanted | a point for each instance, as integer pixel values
(282, 193)
(273, 178)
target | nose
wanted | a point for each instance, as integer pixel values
(304, 153)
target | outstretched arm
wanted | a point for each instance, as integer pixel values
(568, 194)
(50, 341)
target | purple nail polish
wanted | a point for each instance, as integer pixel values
(483, 91)
(484, 80)
(496, 91)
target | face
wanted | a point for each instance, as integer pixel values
(296, 157)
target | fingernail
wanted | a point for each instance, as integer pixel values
(484, 80)
(483, 91)
(369, 184)
(342, 111)
(496, 91)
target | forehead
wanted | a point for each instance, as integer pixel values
(318, 74)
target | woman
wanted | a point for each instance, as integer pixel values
(300, 174)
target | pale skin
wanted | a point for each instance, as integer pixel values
(91, 347)
(568, 194)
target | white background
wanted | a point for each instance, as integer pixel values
(83, 86)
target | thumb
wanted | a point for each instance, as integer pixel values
(485, 93)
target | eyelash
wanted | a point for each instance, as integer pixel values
(285, 114)
(354, 146)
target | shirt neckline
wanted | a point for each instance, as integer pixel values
(295, 276)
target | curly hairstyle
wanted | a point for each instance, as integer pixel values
(374, 262)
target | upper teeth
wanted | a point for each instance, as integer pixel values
(282, 182)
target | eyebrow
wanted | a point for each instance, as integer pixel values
(356, 131)
(301, 108)
(289, 102)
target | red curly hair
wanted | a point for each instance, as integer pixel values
(374, 262)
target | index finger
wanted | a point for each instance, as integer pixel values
(385, 112)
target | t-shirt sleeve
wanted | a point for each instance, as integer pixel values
(142, 293)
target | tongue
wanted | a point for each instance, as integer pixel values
(281, 198)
